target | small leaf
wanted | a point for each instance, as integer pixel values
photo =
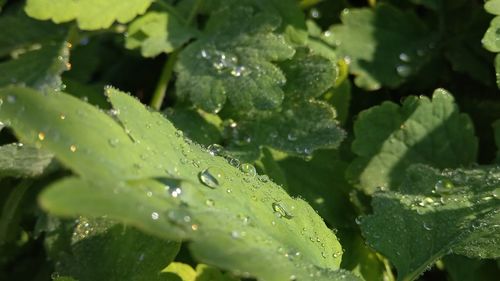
(18, 160)
(384, 45)
(157, 32)
(103, 250)
(434, 214)
(151, 179)
(37, 51)
(89, 14)
(232, 62)
(389, 138)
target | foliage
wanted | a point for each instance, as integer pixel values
(284, 140)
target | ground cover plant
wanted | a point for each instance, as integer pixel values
(225, 140)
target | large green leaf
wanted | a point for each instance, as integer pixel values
(37, 51)
(141, 171)
(232, 62)
(389, 138)
(436, 213)
(98, 249)
(20, 160)
(491, 37)
(89, 14)
(157, 32)
(384, 45)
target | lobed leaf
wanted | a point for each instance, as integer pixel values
(385, 46)
(155, 180)
(232, 62)
(157, 32)
(434, 214)
(89, 14)
(18, 160)
(389, 138)
(99, 249)
(36, 51)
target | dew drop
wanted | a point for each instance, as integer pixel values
(444, 185)
(263, 178)
(72, 148)
(194, 227)
(215, 149)
(113, 142)
(315, 13)
(248, 169)
(403, 70)
(155, 215)
(41, 136)
(281, 211)
(211, 177)
(292, 137)
(427, 226)
(404, 57)
(238, 71)
(233, 162)
(54, 275)
(210, 202)
(62, 116)
(496, 193)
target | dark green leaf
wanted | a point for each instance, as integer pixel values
(18, 160)
(436, 213)
(384, 45)
(496, 129)
(389, 138)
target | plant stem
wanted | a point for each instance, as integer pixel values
(10, 208)
(168, 68)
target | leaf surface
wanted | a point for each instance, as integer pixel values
(89, 14)
(156, 180)
(389, 138)
(157, 32)
(18, 160)
(384, 45)
(434, 214)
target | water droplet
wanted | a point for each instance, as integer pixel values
(210, 202)
(315, 13)
(72, 148)
(215, 149)
(263, 178)
(238, 71)
(337, 254)
(248, 169)
(404, 57)
(155, 215)
(403, 70)
(233, 162)
(194, 227)
(496, 193)
(41, 136)
(443, 186)
(179, 216)
(211, 177)
(427, 226)
(292, 137)
(358, 220)
(54, 275)
(204, 54)
(113, 142)
(281, 211)
(235, 234)
(62, 116)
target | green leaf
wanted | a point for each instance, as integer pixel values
(203, 272)
(492, 7)
(103, 250)
(389, 138)
(200, 127)
(18, 160)
(436, 213)
(232, 62)
(384, 45)
(37, 51)
(157, 32)
(496, 129)
(89, 14)
(461, 268)
(155, 180)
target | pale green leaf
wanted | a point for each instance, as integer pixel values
(384, 45)
(89, 14)
(434, 214)
(389, 138)
(18, 160)
(154, 179)
(492, 7)
(157, 32)
(203, 272)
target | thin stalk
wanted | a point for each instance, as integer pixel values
(10, 208)
(168, 68)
